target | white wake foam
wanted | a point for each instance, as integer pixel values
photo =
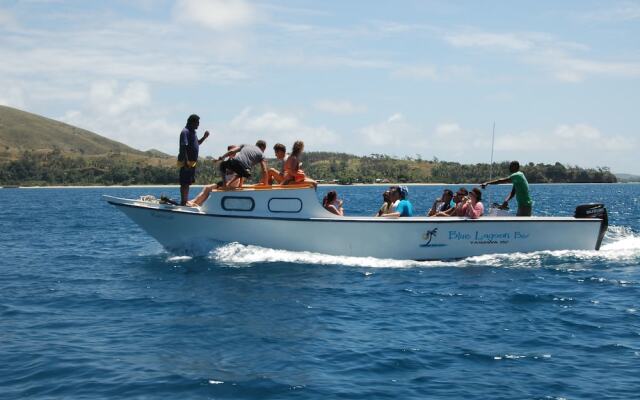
(238, 254)
(620, 244)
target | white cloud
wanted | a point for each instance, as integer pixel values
(283, 127)
(447, 140)
(577, 142)
(543, 50)
(432, 72)
(448, 130)
(123, 63)
(615, 12)
(121, 48)
(516, 42)
(505, 41)
(420, 72)
(577, 132)
(124, 113)
(339, 107)
(402, 137)
(12, 95)
(394, 27)
(7, 20)
(499, 97)
(219, 15)
(106, 96)
(327, 61)
(391, 134)
(568, 68)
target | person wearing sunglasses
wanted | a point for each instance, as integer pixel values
(459, 199)
(473, 207)
(443, 203)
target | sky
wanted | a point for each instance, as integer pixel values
(426, 78)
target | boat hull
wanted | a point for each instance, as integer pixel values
(185, 231)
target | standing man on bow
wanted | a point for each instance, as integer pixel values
(188, 155)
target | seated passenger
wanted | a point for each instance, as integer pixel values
(332, 204)
(459, 199)
(393, 199)
(444, 203)
(404, 207)
(278, 175)
(292, 167)
(246, 157)
(473, 208)
(232, 179)
(386, 204)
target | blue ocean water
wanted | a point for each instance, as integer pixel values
(91, 307)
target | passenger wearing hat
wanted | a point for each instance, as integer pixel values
(404, 207)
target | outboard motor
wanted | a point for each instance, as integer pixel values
(596, 211)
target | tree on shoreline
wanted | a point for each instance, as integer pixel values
(56, 168)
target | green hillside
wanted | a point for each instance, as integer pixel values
(21, 131)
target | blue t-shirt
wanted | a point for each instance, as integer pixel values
(405, 208)
(189, 145)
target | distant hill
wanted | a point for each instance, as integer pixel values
(158, 154)
(628, 177)
(21, 131)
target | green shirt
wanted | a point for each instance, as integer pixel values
(522, 189)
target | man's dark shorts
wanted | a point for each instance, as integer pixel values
(187, 176)
(524, 211)
(235, 166)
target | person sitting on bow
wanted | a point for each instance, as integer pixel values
(245, 157)
(293, 172)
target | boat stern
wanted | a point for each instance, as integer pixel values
(595, 211)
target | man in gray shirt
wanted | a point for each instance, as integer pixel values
(246, 156)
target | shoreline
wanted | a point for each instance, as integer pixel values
(320, 185)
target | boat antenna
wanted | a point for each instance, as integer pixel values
(493, 137)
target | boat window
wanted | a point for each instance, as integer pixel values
(235, 203)
(285, 205)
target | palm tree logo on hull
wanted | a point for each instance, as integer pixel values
(429, 236)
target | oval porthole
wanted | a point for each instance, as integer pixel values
(285, 205)
(235, 203)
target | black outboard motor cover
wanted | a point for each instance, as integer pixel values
(595, 211)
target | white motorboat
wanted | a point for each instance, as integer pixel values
(291, 218)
